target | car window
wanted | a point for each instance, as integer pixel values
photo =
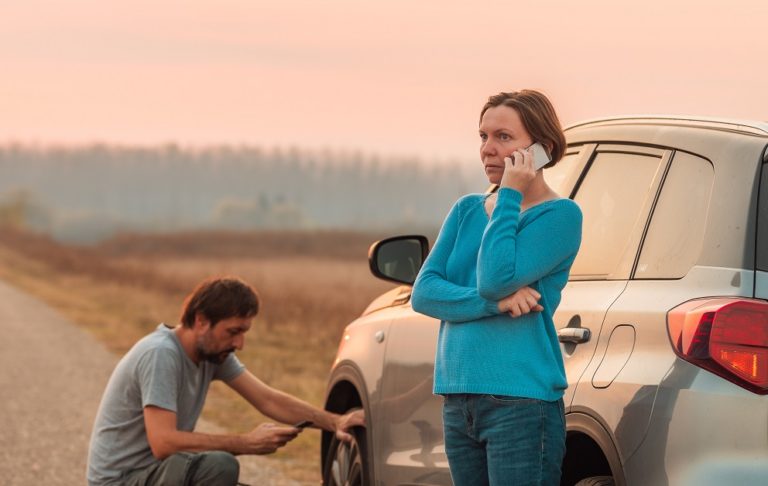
(559, 176)
(613, 198)
(676, 233)
(762, 222)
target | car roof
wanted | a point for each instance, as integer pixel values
(751, 127)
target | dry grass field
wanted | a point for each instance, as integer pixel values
(311, 285)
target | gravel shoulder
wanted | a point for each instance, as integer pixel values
(52, 375)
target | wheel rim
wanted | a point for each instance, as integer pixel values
(347, 466)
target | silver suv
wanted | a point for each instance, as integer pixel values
(663, 324)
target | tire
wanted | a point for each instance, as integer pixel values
(347, 463)
(596, 481)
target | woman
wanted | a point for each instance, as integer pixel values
(494, 279)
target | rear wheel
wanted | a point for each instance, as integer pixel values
(346, 462)
(596, 481)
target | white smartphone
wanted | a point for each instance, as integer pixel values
(540, 155)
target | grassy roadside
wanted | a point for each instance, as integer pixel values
(121, 290)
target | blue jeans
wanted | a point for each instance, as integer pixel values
(499, 440)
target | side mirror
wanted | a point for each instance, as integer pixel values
(398, 259)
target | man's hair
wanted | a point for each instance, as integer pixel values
(538, 117)
(220, 298)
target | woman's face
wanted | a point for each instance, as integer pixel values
(501, 133)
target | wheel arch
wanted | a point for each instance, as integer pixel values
(346, 390)
(590, 450)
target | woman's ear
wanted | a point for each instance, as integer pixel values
(549, 146)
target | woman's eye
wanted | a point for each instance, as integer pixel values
(483, 137)
(504, 137)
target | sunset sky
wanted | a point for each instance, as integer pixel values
(395, 77)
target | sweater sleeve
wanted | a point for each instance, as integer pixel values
(436, 296)
(510, 259)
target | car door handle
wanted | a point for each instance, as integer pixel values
(574, 335)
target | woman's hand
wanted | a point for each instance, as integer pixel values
(518, 170)
(521, 302)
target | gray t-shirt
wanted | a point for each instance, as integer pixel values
(156, 371)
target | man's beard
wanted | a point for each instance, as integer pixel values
(216, 358)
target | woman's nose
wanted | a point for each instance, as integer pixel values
(487, 148)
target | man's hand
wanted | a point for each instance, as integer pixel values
(343, 423)
(521, 302)
(267, 438)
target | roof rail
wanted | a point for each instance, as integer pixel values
(743, 126)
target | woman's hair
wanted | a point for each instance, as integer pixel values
(538, 117)
(220, 298)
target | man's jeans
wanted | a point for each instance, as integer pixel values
(188, 469)
(498, 440)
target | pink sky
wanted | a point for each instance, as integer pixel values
(396, 77)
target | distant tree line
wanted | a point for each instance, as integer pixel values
(88, 193)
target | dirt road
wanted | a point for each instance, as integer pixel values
(52, 375)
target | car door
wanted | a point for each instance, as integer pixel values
(616, 195)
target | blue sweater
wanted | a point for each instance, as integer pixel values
(477, 261)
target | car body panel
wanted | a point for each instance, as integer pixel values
(625, 405)
(584, 304)
(702, 427)
(359, 345)
(410, 447)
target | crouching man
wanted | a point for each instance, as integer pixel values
(143, 433)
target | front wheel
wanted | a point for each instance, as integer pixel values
(346, 462)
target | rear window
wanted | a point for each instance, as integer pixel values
(762, 222)
(676, 233)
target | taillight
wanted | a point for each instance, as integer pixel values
(727, 336)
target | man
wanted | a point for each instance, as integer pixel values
(143, 433)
